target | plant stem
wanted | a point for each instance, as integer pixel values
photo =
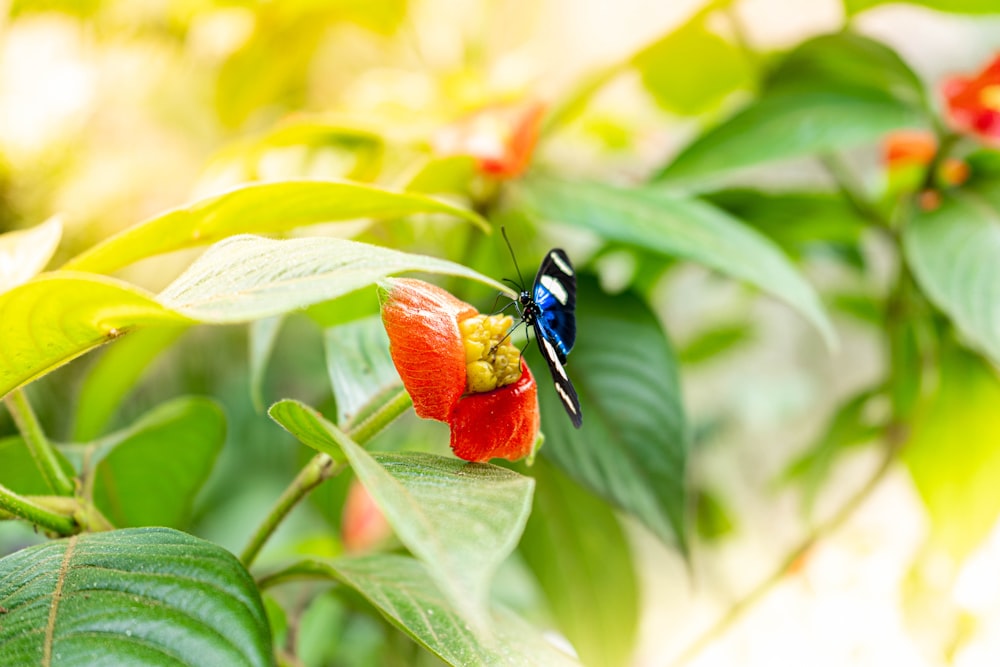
(829, 526)
(23, 508)
(898, 311)
(852, 192)
(38, 445)
(320, 468)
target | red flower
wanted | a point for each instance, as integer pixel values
(458, 370)
(501, 137)
(974, 103)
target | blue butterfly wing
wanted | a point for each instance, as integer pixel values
(554, 292)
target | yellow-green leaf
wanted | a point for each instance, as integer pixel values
(24, 253)
(258, 208)
(59, 316)
(953, 454)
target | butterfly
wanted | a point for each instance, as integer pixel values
(549, 310)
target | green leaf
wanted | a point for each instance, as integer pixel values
(787, 126)
(360, 368)
(712, 520)
(259, 208)
(847, 62)
(953, 456)
(403, 590)
(248, 277)
(952, 6)
(110, 379)
(149, 596)
(447, 174)
(692, 69)
(799, 222)
(578, 552)
(632, 449)
(24, 253)
(262, 336)
(713, 342)
(658, 222)
(150, 473)
(954, 251)
(461, 519)
(61, 315)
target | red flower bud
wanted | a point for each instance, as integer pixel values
(459, 367)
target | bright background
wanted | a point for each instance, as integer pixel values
(119, 109)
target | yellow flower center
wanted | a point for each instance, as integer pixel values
(488, 362)
(989, 97)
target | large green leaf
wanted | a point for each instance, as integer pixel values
(954, 251)
(260, 208)
(248, 277)
(846, 62)
(26, 252)
(830, 93)
(149, 596)
(403, 590)
(150, 473)
(786, 126)
(59, 316)
(578, 552)
(632, 449)
(953, 6)
(461, 519)
(673, 226)
(110, 379)
(799, 222)
(953, 455)
(360, 368)
(692, 69)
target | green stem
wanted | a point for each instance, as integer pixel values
(737, 610)
(320, 468)
(852, 192)
(898, 311)
(38, 445)
(23, 508)
(946, 141)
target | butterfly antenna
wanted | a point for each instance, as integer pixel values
(503, 230)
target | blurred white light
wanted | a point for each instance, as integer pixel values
(46, 85)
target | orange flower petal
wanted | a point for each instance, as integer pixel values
(425, 343)
(501, 424)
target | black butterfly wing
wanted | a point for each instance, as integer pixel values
(554, 292)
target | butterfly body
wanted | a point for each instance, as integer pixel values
(549, 308)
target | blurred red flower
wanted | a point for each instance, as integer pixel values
(501, 137)
(974, 102)
(459, 368)
(363, 526)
